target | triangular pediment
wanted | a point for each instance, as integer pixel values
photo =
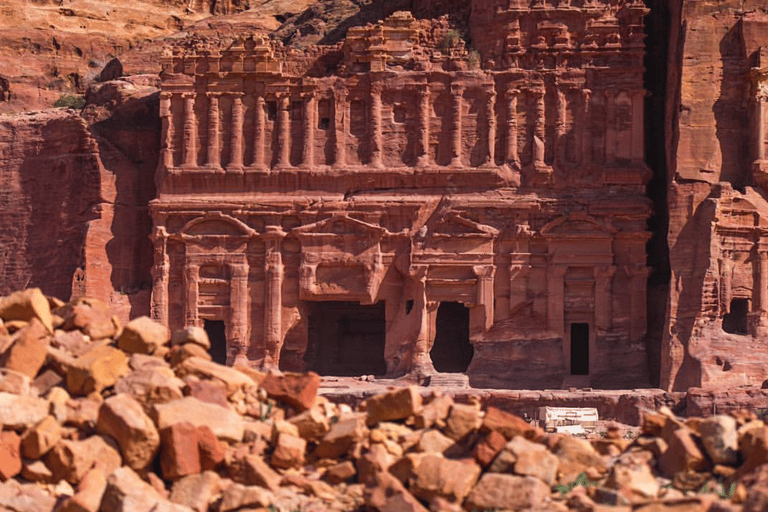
(457, 226)
(340, 225)
(578, 224)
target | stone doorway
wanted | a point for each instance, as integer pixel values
(452, 352)
(217, 334)
(580, 349)
(347, 339)
(735, 321)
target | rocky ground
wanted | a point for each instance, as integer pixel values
(99, 417)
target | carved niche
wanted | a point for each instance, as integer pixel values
(341, 259)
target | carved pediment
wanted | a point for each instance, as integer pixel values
(578, 224)
(454, 225)
(216, 224)
(339, 225)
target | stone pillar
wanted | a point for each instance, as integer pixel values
(556, 299)
(273, 298)
(761, 121)
(485, 275)
(610, 125)
(191, 276)
(166, 136)
(638, 125)
(763, 293)
(513, 158)
(258, 133)
(236, 138)
(457, 94)
(237, 336)
(284, 140)
(603, 297)
(214, 150)
(560, 127)
(422, 362)
(638, 276)
(518, 281)
(308, 152)
(160, 273)
(339, 131)
(726, 288)
(422, 156)
(540, 127)
(490, 113)
(375, 133)
(586, 127)
(189, 156)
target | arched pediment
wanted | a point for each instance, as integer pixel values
(216, 224)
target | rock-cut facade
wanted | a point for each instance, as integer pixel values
(405, 202)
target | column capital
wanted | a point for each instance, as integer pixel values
(605, 271)
(213, 95)
(240, 270)
(273, 232)
(512, 92)
(188, 95)
(484, 271)
(457, 88)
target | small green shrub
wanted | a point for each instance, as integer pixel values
(473, 60)
(582, 480)
(70, 101)
(450, 40)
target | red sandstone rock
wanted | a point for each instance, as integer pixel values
(10, 455)
(37, 441)
(71, 460)
(122, 418)
(26, 305)
(179, 452)
(143, 335)
(395, 405)
(487, 449)
(29, 350)
(508, 425)
(296, 390)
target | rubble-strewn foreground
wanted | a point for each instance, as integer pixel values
(100, 417)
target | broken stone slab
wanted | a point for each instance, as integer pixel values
(312, 424)
(123, 419)
(224, 423)
(196, 491)
(18, 497)
(127, 492)
(179, 455)
(533, 459)
(342, 435)
(29, 350)
(90, 492)
(576, 456)
(90, 316)
(508, 424)
(231, 378)
(499, 491)
(151, 385)
(143, 335)
(193, 334)
(436, 476)
(18, 412)
(387, 494)
(38, 440)
(70, 460)
(10, 455)
(15, 382)
(295, 389)
(682, 454)
(36, 471)
(238, 496)
(720, 439)
(393, 405)
(288, 451)
(97, 369)
(462, 420)
(26, 305)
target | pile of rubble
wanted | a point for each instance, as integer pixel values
(96, 417)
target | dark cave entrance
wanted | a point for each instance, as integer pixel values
(452, 352)
(217, 334)
(579, 349)
(347, 339)
(735, 321)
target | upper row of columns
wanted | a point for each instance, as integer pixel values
(583, 119)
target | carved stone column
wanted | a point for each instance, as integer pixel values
(513, 158)
(638, 276)
(284, 118)
(422, 362)
(189, 156)
(518, 281)
(236, 138)
(610, 125)
(308, 152)
(763, 292)
(339, 130)
(457, 94)
(485, 275)
(490, 113)
(191, 276)
(603, 297)
(638, 125)
(556, 299)
(540, 127)
(273, 299)
(239, 314)
(160, 273)
(761, 120)
(259, 133)
(726, 288)
(166, 136)
(214, 131)
(422, 156)
(560, 127)
(375, 130)
(586, 127)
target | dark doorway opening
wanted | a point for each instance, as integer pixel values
(217, 334)
(579, 349)
(735, 321)
(452, 352)
(347, 339)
